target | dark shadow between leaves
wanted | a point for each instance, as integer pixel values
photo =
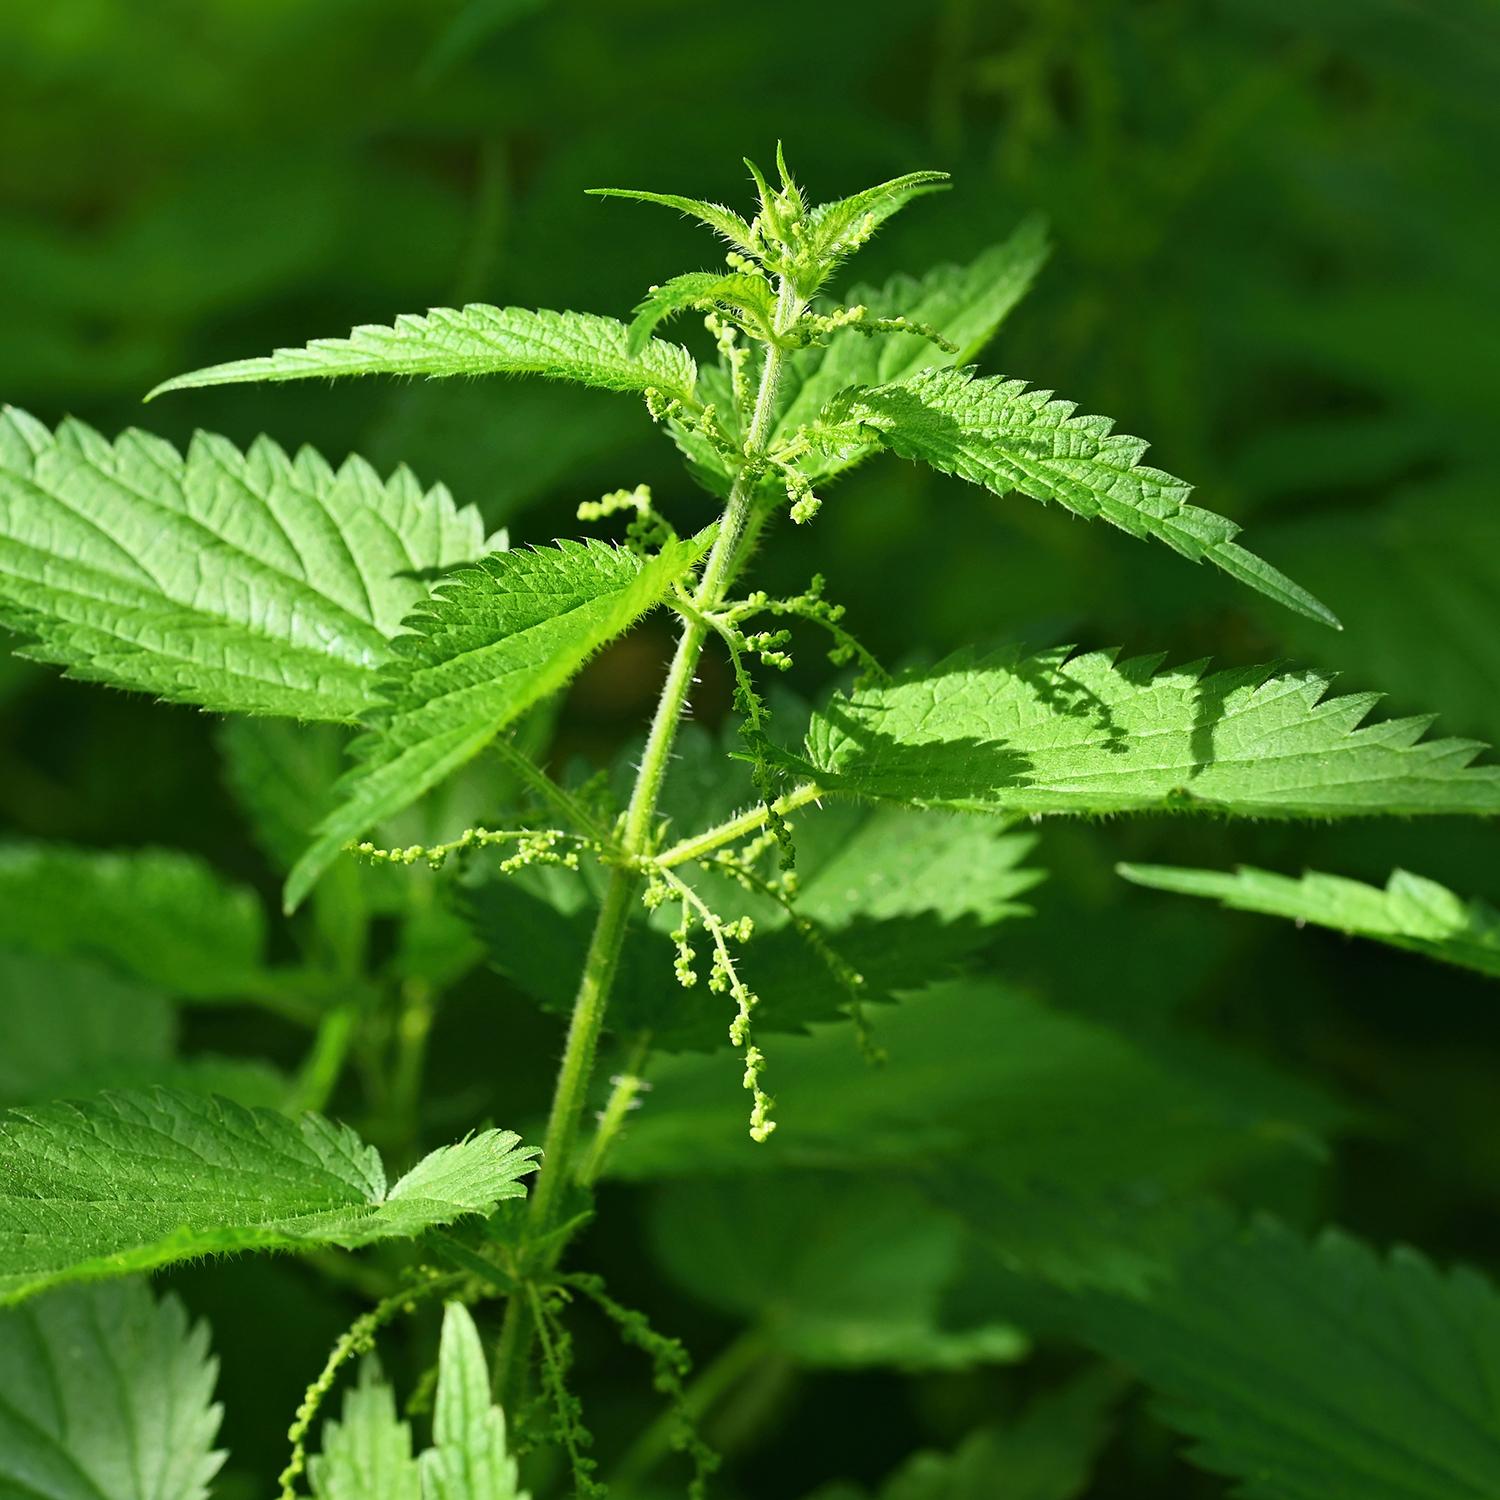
(539, 948)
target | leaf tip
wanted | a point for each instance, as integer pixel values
(298, 884)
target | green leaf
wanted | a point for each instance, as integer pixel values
(241, 582)
(475, 340)
(996, 433)
(738, 291)
(723, 221)
(468, 1459)
(1122, 1237)
(106, 1394)
(164, 918)
(68, 1028)
(1085, 735)
(494, 640)
(966, 304)
(834, 231)
(1047, 1452)
(130, 1181)
(282, 775)
(368, 1454)
(1411, 912)
(1041, 1106)
(835, 1272)
(1320, 1372)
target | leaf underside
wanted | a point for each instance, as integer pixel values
(698, 289)
(368, 1455)
(251, 582)
(106, 1394)
(468, 1459)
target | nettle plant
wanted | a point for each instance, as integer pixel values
(717, 892)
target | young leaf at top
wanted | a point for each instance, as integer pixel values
(130, 1181)
(966, 304)
(241, 582)
(493, 640)
(1413, 913)
(1084, 734)
(476, 340)
(804, 244)
(834, 231)
(368, 1453)
(468, 1459)
(106, 1393)
(723, 221)
(788, 238)
(749, 295)
(1319, 1372)
(997, 433)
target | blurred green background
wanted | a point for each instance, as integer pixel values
(1275, 227)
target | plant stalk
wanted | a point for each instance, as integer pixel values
(737, 828)
(623, 1097)
(570, 1094)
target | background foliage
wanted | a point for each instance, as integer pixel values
(1274, 231)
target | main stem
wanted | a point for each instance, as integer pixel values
(622, 889)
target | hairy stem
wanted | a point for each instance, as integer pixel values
(570, 1094)
(737, 828)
